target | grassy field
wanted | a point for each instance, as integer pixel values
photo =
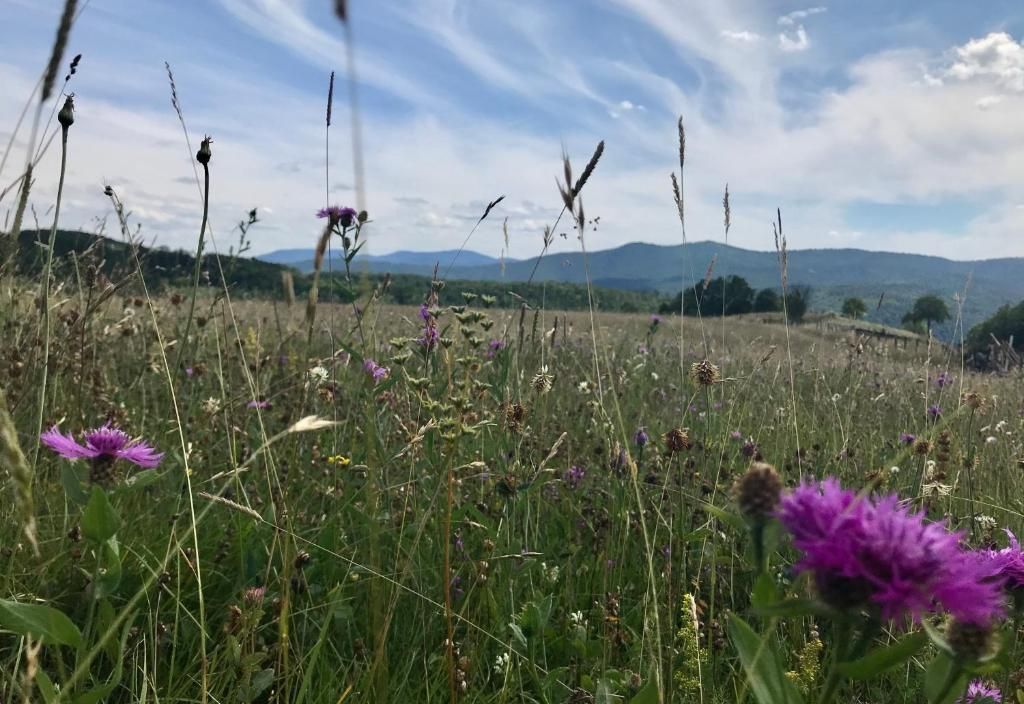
(222, 501)
(479, 523)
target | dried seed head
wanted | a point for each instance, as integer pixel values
(974, 400)
(922, 447)
(588, 170)
(677, 440)
(758, 492)
(543, 381)
(705, 373)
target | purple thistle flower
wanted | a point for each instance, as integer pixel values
(430, 334)
(258, 403)
(573, 476)
(863, 551)
(494, 347)
(980, 693)
(736, 435)
(376, 371)
(641, 438)
(934, 411)
(655, 320)
(105, 444)
(1009, 564)
(337, 214)
(907, 438)
(944, 379)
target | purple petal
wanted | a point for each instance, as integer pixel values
(65, 445)
(141, 454)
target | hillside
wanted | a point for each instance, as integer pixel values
(833, 274)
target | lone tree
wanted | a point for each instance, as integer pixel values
(854, 308)
(797, 300)
(767, 301)
(927, 309)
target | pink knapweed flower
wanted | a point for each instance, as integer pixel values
(104, 444)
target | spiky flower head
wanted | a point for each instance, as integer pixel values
(102, 447)
(677, 440)
(705, 373)
(758, 492)
(1009, 564)
(375, 371)
(980, 693)
(641, 438)
(864, 552)
(338, 215)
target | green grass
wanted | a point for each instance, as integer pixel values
(477, 525)
(583, 585)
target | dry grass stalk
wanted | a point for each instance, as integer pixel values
(21, 473)
(230, 504)
(288, 287)
(314, 290)
(60, 43)
(589, 169)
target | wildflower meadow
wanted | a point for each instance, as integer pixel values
(328, 497)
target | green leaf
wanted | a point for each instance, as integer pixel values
(140, 480)
(944, 680)
(765, 675)
(102, 693)
(648, 694)
(45, 686)
(882, 659)
(727, 517)
(39, 621)
(99, 521)
(792, 608)
(72, 485)
(260, 682)
(764, 592)
(109, 576)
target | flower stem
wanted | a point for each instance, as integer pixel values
(197, 271)
(832, 682)
(46, 286)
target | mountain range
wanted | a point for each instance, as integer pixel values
(887, 281)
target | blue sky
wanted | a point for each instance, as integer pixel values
(878, 124)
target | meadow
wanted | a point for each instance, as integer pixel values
(210, 498)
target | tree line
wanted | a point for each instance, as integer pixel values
(733, 295)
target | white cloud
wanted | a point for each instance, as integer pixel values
(795, 41)
(793, 18)
(743, 35)
(626, 105)
(996, 56)
(988, 101)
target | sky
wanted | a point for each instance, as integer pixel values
(889, 125)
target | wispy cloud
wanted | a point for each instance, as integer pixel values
(796, 16)
(794, 41)
(467, 100)
(741, 35)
